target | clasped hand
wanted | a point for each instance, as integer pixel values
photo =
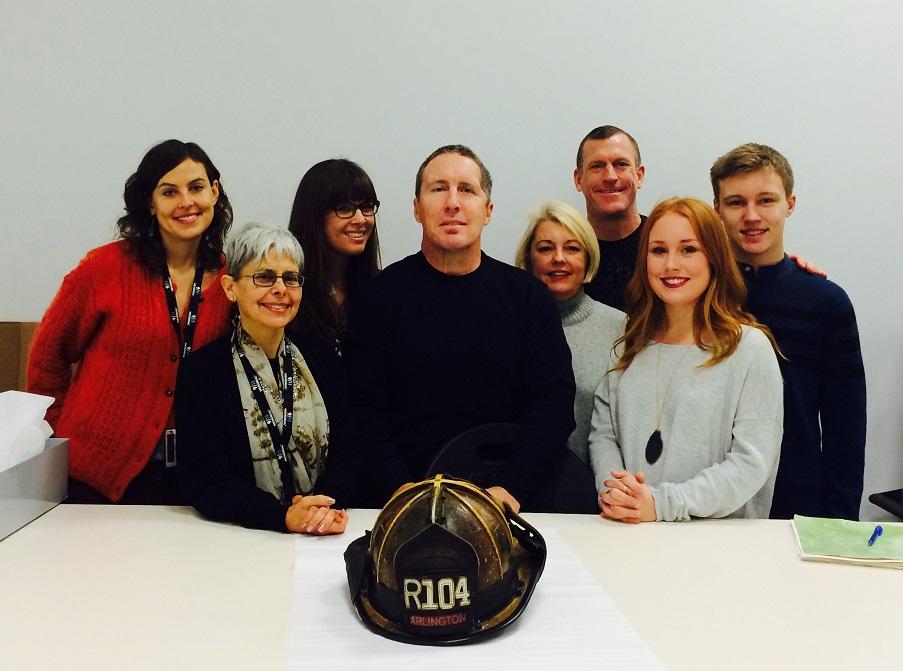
(313, 515)
(628, 498)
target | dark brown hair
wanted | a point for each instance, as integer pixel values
(324, 186)
(140, 227)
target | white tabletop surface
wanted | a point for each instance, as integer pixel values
(134, 587)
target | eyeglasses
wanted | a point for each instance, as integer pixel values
(346, 210)
(267, 278)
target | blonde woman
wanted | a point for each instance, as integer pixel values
(561, 250)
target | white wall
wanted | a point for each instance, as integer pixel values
(268, 88)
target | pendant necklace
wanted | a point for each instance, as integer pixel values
(654, 445)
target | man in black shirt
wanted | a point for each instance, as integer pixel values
(449, 338)
(608, 174)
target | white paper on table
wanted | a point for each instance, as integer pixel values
(23, 430)
(570, 618)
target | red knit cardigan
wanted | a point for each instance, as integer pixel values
(110, 316)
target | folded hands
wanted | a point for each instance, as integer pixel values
(628, 498)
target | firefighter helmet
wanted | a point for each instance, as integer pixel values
(444, 564)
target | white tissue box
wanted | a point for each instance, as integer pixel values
(30, 489)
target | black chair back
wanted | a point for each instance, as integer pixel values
(483, 453)
(891, 501)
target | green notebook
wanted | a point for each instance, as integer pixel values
(842, 541)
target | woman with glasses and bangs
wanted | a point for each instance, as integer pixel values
(264, 435)
(334, 219)
(688, 423)
(111, 343)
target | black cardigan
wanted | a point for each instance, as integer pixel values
(214, 455)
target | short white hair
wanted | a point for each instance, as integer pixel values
(252, 242)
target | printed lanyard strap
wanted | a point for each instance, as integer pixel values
(280, 442)
(191, 319)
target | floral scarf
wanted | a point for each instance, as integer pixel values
(309, 443)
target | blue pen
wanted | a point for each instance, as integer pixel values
(877, 532)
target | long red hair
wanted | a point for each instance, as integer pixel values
(718, 317)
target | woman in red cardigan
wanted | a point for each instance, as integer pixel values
(109, 346)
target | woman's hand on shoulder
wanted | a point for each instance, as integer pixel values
(313, 515)
(628, 498)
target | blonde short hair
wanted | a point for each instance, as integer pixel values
(573, 222)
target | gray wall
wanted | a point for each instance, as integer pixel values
(269, 88)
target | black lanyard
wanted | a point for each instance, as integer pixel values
(191, 319)
(280, 442)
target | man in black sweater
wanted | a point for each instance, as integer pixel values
(449, 338)
(823, 450)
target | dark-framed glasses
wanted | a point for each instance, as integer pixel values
(267, 278)
(346, 210)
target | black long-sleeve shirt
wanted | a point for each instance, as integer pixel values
(430, 355)
(616, 265)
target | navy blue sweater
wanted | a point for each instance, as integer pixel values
(823, 450)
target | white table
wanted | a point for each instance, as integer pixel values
(134, 587)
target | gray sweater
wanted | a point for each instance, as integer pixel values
(721, 427)
(591, 329)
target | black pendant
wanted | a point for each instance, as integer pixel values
(654, 447)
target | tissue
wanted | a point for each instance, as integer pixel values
(23, 430)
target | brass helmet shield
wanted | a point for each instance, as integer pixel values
(443, 565)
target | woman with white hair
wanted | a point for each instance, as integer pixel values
(561, 250)
(264, 436)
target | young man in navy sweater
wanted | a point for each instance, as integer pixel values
(812, 319)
